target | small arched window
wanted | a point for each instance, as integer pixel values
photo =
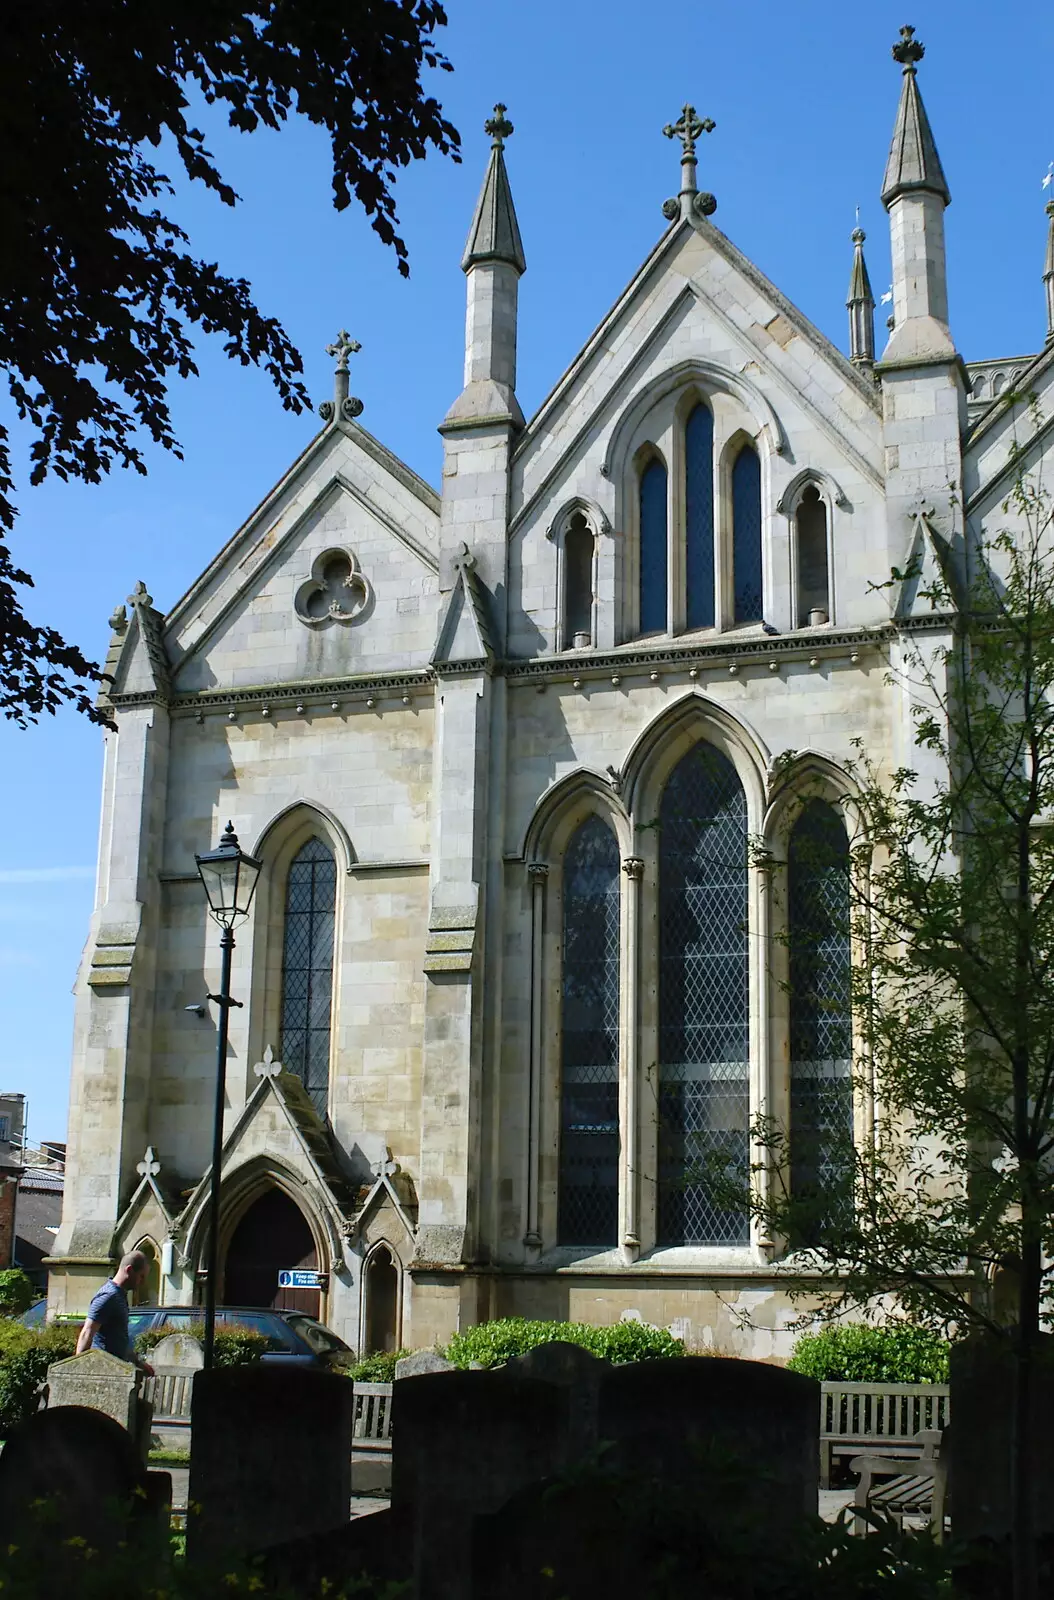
(307, 969)
(746, 536)
(653, 552)
(699, 518)
(578, 583)
(704, 1011)
(814, 602)
(589, 1142)
(821, 1119)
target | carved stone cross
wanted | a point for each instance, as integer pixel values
(268, 1067)
(149, 1167)
(342, 347)
(908, 50)
(498, 126)
(688, 128)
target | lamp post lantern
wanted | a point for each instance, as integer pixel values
(229, 877)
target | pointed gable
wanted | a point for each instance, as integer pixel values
(929, 579)
(465, 633)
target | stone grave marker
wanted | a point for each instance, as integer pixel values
(420, 1362)
(271, 1458)
(175, 1360)
(981, 1378)
(87, 1470)
(98, 1380)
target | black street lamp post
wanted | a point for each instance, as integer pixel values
(229, 877)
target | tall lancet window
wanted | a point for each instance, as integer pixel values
(746, 536)
(654, 562)
(821, 1025)
(814, 604)
(307, 969)
(588, 1204)
(578, 583)
(699, 518)
(703, 999)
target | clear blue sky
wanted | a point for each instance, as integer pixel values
(804, 98)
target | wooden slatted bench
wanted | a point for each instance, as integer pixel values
(902, 1486)
(372, 1429)
(880, 1419)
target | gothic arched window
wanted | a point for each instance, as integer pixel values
(307, 969)
(813, 587)
(703, 1000)
(653, 554)
(699, 518)
(821, 1027)
(746, 536)
(578, 583)
(589, 1142)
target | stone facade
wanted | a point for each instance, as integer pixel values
(441, 689)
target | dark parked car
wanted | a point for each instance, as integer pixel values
(297, 1338)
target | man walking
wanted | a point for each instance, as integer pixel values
(106, 1325)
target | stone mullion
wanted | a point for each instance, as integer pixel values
(538, 874)
(629, 1052)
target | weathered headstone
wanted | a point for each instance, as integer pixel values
(97, 1380)
(73, 1473)
(271, 1458)
(175, 1360)
(982, 1396)
(420, 1362)
(703, 1428)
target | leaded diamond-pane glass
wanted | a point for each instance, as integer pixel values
(307, 969)
(703, 999)
(820, 1015)
(589, 1143)
(653, 557)
(699, 518)
(746, 535)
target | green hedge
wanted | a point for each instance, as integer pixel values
(492, 1342)
(895, 1352)
(378, 1368)
(25, 1356)
(17, 1292)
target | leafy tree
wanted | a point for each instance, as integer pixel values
(98, 289)
(945, 1200)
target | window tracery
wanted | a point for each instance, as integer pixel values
(307, 969)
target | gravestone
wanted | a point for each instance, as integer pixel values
(981, 1379)
(105, 1384)
(420, 1362)
(271, 1458)
(73, 1473)
(175, 1360)
(737, 1437)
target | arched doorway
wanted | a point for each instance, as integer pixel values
(382, 1302)
(272, 1235)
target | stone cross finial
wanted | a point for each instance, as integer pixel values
(688, 128)
(118, 619)
(499, 127)
(268, 1067)
(149, 1167)
(343, 407)
(140, 596)
(342, 347)
(908, 50)
(385, 1169)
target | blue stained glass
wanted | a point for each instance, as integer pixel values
(589, 1137)
(746, 536)
(699, 518)
(653, 555)
(307, 969)
(820, 1013)
(703, 1000)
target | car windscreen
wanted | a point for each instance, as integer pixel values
(317, 1336)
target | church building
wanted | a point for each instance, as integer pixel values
(533, 762)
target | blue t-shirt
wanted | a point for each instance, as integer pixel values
(109, 1308)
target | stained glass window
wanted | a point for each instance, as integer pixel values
(589, 1141)
(653, 554)
(307, 969)
(746, 535)
(703, 1000)
(699, 518)
(820, 1014)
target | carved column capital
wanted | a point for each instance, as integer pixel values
(537, 872)
(633, 867)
